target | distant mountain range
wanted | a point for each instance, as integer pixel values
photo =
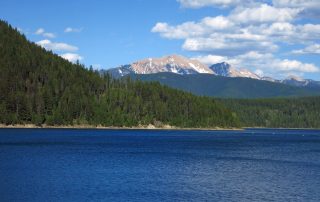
(221, 79)
(174, 64)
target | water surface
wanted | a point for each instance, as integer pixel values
(143, 165)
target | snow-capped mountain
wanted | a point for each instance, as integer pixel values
(183, 66)
(173, 63)
(225, 69)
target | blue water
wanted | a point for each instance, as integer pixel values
(140, 165)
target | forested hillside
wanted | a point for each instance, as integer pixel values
(277, 113)
(40, 87)
(226, 87)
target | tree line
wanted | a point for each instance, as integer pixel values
(277, 112)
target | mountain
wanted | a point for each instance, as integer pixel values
(226, 86)
(119, 71)
(219, 86)
(300, 82)
(225, 69)
(39, 87)
(173, 63)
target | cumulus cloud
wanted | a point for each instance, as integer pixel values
(43, 33)
(309, 8)
(180, 32)
(49, 45)
(264, 13)
(297, 3)
(294, 65)
(217, 23)
(262, 64)
(70, 29)
(250, 34)
(72, 57)
(228, 45)
(65, 50)
(312, 49)
(253, 55)
(271, 65)
(203, 3)
(192, 29)
(305, 4)
(211, 59)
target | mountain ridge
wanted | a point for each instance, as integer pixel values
(225, 69)
(185, 66)
(226, 87)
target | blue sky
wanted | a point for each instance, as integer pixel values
(274, 38)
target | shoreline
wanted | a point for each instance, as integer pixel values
(142, 127)
(264, 128)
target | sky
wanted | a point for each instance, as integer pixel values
(277, 38)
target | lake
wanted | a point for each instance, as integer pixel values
(159, 165)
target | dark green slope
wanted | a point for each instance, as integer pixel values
(217, 86)
(37, 86)
(277, 113)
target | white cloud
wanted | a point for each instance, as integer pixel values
(180, 32)
(211, 59)
(312, 49)
(227, 45)
(294, 65)
(220, 32)
(39, 31)
(49, 45)
(262, 64)
(217, 23)
(297, 3)
(272, 66)
(250, 34)
(204, 3)
(191, 29)
(49, 35)
(290, 33)
(70, 29)
(264, 13)
(280, 29)
(253, 55)
(43, 33)
(72, 57)
(310, 31)
(227, 3)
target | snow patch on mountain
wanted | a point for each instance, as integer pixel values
(173, 63)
